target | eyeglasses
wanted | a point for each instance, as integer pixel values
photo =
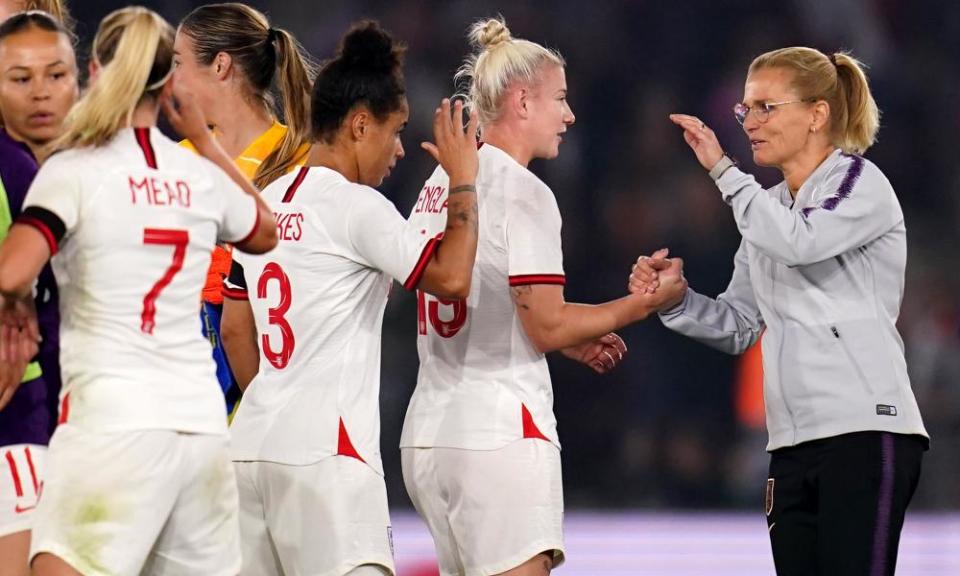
(762, 110)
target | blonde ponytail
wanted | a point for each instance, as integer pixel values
(499, 61)
(134, 47)
(295, 74)
(857, 125)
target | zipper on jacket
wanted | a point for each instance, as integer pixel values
(853, 360)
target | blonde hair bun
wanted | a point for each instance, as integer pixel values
(488, 34)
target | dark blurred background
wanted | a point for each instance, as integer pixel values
(676, 426)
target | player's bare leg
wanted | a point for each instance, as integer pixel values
(539, 565)
(46, 564)
(15, 548)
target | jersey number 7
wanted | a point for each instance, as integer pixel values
(179, 240)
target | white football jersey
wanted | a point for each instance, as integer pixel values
(131, 225)
(482, 384)
(318, 300)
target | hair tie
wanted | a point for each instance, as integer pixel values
(272, 34)
(833, 60)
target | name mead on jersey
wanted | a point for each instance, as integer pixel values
(159, 192)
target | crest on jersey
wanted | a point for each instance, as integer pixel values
(768, 500)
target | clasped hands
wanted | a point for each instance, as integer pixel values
(658, 278)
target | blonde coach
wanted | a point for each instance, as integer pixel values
(821, 267)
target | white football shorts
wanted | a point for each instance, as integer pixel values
(322, 519)
(488, 510)
(21, 480)
(153, 502)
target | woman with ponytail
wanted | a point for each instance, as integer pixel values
(138, 475)
(230, 57)
(820, 271)
(306, 438)
(480, 450)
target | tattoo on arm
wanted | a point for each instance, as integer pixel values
(463, 213)
(520, 294)
(462, 188)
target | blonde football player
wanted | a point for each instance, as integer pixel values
(481, 456)
(138, 477)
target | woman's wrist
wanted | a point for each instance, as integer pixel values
(721, 166)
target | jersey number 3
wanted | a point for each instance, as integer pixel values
(429, 307)
(179, 240)
(275, 315)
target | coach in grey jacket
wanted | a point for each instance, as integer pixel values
(821, 268)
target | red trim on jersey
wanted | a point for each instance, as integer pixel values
(256, 226)
(16, 476)
(33, 470)
(64, 409)
(288, 196)
(143, 139)
(41, 227)
(345, 446)
(526, 279)
(414, 278)
(234, 293)
(530, 429)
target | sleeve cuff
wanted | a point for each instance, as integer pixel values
(414, 278)
(256, 226)
(47, 223)
(675, 310)
(234, 293)
(528, 279)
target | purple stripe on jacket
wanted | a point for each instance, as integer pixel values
(846, 186)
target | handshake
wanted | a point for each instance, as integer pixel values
(659, 280)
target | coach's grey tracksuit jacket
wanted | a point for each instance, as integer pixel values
(824, 275)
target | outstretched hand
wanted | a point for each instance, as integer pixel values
(700, 138)
(456, 146)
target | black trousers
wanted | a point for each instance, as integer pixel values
(835, 506)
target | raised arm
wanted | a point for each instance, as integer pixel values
(856, 205)
(449, 270)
